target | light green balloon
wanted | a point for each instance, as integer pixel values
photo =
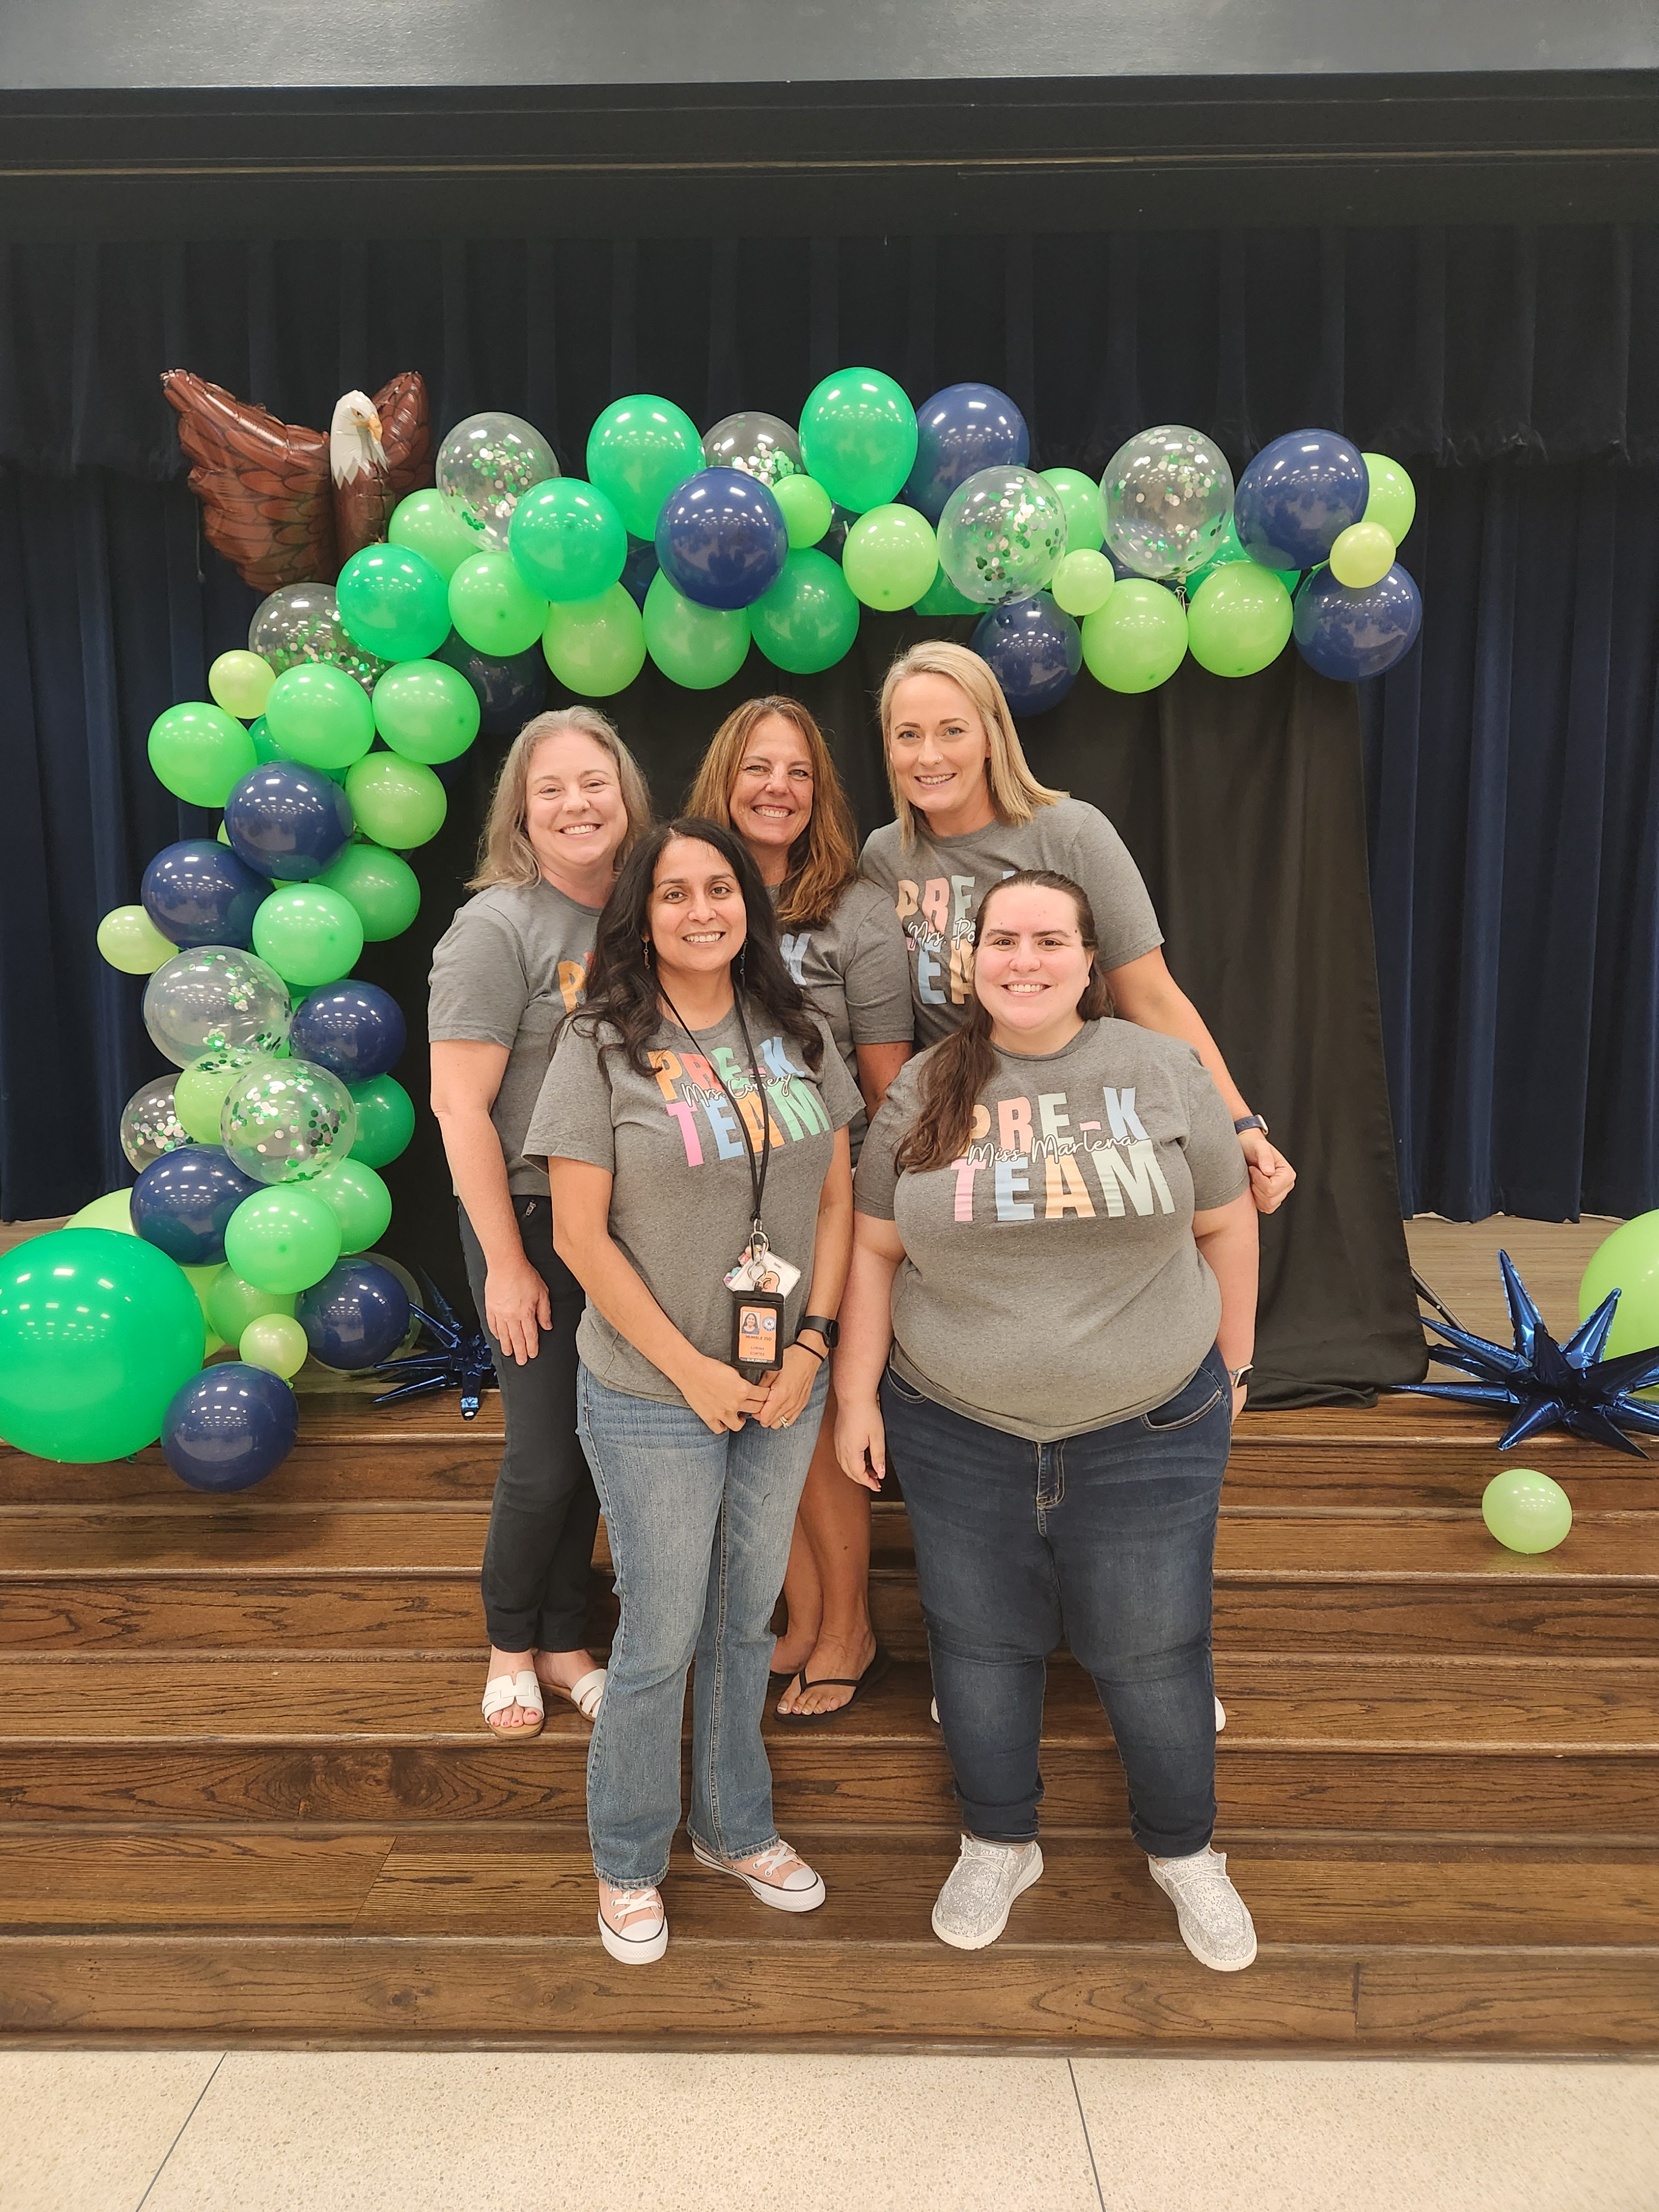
(1083, 582)
(427, 524)
(1626, 1261)
(1238, 620)
(641, 449)
(942, 597)
(382, 885)
(697, 647)
(1392, 500)
(386, 1120)
(283, 1239)
(308, 933)
(1085, 510)
(360, 1202)
(113, 1210)
(130, 940)
(808, 509)
(200, 752)
(891, 557)
(858, 437)
(595, 647)
(240, 683)
(395, 802)
(276, 1341)
(1525, 1510)
(320, 716)
(231, 1303)
(1362, 555)
(199, 1091)
(493, 607)
(426, 710)
(808, 619)
(1138, 639)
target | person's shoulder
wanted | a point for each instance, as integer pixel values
(883, 852)
(862, 901)
(499, 907)
(1127, 1043)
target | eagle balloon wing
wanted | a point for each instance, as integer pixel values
(264, 485)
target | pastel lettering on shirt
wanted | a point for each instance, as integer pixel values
(928, 972)
(573, 983)
(1120, 1113)
(935, 903)
(961, 971)
(794, 950)
(799, 1107)
(1014, 1125)
(970, 1165)
(1064, 1190)
(961, 903)
(1134, 1174)
(668, 1071)
(728, 1143)
(1012, 1185)
(777, 1062)
(1052, 1117)
(687, 1120)
(905, 902)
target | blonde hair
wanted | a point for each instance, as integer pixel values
(1015, 791)
(506, 855)
(823, 859)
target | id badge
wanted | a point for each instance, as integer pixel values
(756, 1333)
(763, 1271)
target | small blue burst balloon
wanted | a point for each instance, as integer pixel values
(354, 1030)
(182, 1203)
(721, 539)
(356, 1316)
(1349, 634)
(229, 1426)
(961, 430)
(288, 821)
(201, 892)
(1036, 650)
(1298, 497)
(512, 688)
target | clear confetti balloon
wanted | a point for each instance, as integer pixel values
(285, 1121)
(1169, 493)
(1002, 535)
(150, 1124)
(212, 998)
(484, 467)
(759, 445)
(301, 621)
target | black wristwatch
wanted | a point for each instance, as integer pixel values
(1250, 1121)
(827, 1329)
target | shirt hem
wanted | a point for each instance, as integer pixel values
(1028, 1431)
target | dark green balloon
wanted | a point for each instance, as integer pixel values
(809, 618)
(386, 1120)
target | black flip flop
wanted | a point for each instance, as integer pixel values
(857, 1683)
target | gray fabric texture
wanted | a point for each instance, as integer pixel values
(855, 971)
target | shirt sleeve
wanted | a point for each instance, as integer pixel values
(1126, 919)
(876, 982)
(877, 1179)
(1215, 1158)
(572, 1118)
(843, 1100)
(478, 986)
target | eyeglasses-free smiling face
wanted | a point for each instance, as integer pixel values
(771, 799)
(1031, 968)
(574, 814)
(698, 922)
(939, 748)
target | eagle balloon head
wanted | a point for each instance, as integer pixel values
(353, 438)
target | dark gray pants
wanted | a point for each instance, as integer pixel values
(546, 1508)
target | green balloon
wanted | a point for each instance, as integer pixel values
(1238, 620)
(493, 607)
(360, 1202)
(320, 716)
(308, 933)
(426, 710)
(231, 1303)
(1083, 582)
(395, 802)
(641, 449)
(1392, 500)
(891, 557)
(113, 1210)
(283, 1239)
(1138, 639)
(382, 885)
(858, 437)
(393, 603)
(386, 1120)
(266, 746)
(808, 509)
(427, 524)
(1525, 1510)
(595, 647)
(1626, 1261)
(130, 940)
(1228, 551)
(697, 647)
(1085, 510)
(567, 540)
(942, 597)
(809, 617)
(199, 1090)
(97, 1333)
(200, 752)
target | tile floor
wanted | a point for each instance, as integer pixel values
(178, 2131)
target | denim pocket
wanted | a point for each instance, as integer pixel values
(1189, 1404)
(900, 1389)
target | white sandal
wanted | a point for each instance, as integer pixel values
(583, 1693)
(520, 1689)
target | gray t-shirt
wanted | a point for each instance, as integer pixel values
(855, 971)
(507, 971)
(937, 883)
(681, 1198)
(1050, 1283)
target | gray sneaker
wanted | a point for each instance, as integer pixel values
(1215, 1921)
(974, 1904)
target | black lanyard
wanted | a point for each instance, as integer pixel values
(758, 1242)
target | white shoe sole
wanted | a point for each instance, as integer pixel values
(1033, 1873)
(1204, 1957)
(781, 1900)
(633, 1950)
(1220, 1715)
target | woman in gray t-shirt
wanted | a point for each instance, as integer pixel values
(1050, 1316)
(768, 774)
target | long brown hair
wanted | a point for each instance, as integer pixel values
(955, 1071)
(824, 859)
(1015, 791)
(506, 855)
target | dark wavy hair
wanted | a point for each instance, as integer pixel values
(622, 986)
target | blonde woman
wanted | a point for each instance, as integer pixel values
(569, 804)
(969, 812)
(768, 774)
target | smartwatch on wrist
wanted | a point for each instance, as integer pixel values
(1250, 1121)
(829, 1329)
(1239, 1375)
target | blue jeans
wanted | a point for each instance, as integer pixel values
(699, 1527)
(1106, 1539)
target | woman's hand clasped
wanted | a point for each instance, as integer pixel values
(861, 1442)
(720, 1397)
(1272, 1176)
(517, 1307)
(788, 1390)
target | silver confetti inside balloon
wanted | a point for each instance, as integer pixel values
(213, 996)
(301, 621)
(484, 467)
(1002, 535)
(760, 446)
(150, 1125)
(1169, 493)
(285, 1121)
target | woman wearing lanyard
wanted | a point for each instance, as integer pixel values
(969, 811)
(1054, 1293)
(569, 803)
(693, 1120)
(769, 775)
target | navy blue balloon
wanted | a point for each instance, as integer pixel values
(287, 820)
(1298, 497)
(182, 1203)
(229, 1426)
(1347, 634)
(640, 566)
(512, 688)
(721, 539)
(356, 1316)
(961, 430)
(201, 892)
(354, 1030)
(1035, 649)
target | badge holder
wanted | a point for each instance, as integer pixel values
(756, 1321)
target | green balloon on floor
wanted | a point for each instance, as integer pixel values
(1525, 1510)
(1626, 1261)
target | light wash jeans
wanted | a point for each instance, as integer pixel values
(699, 1528)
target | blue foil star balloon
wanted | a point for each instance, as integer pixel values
(1550, 1385)
(462, 1362)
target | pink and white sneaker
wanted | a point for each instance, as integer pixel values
(778, 1877)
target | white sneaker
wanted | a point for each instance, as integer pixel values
(778, 1875)
(973, 1907)
(1220, 1717)
(1215, 1921)
(636, 1930)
